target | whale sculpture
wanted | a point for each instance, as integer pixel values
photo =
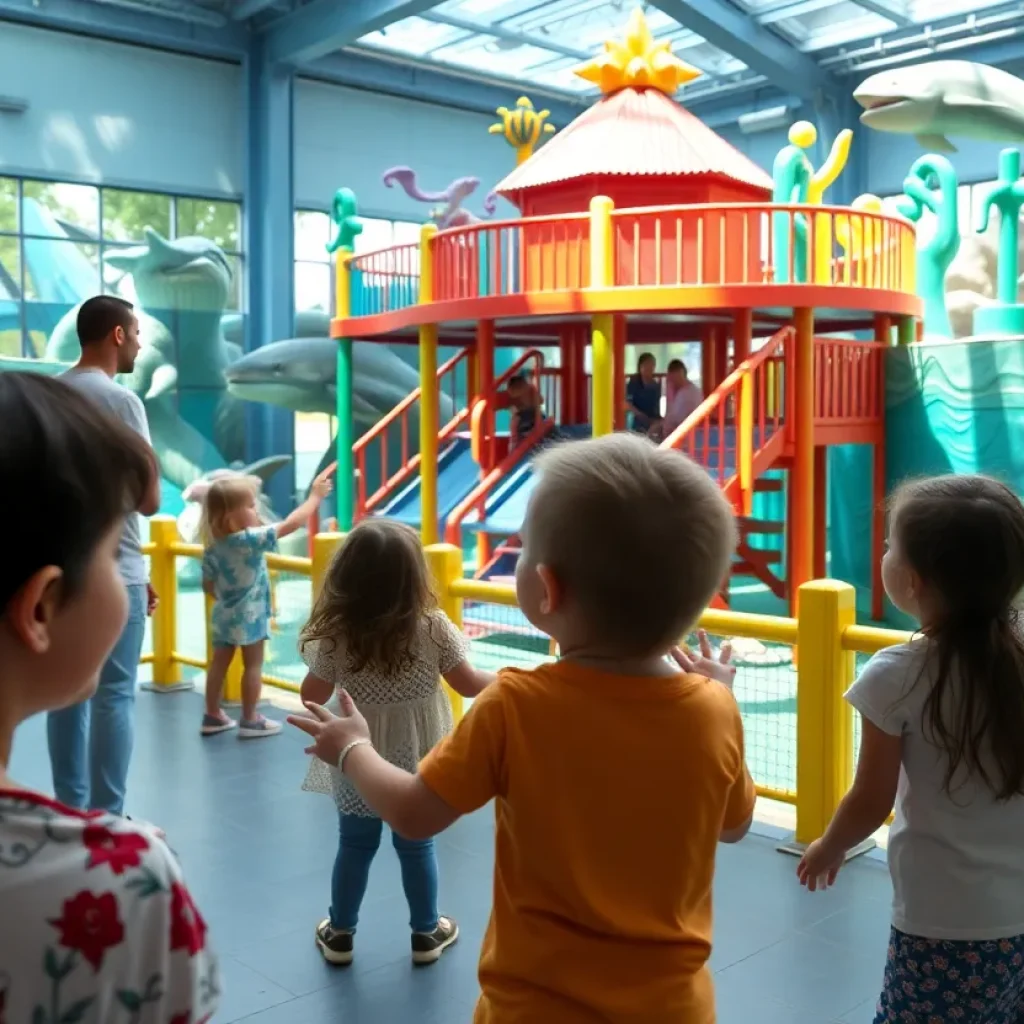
(934, 100)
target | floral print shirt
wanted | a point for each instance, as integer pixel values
(97, 922)
(236, 565)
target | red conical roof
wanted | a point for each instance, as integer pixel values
(639, 133)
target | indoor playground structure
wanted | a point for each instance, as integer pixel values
(640, 225)
(842, 349)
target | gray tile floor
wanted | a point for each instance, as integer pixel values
(257, 853)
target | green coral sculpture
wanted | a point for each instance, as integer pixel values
(344, 212)
(931, 185)
(1007, 196)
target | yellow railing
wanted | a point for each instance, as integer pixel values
(824, 632)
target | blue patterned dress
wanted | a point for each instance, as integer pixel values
(236, 565)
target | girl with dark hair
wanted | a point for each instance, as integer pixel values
(643, 395)
(376, 631)
(943, 740)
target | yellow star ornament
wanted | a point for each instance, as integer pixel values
(637, 62)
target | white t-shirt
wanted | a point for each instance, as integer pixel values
(956, 861)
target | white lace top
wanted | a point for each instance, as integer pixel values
(408, 712)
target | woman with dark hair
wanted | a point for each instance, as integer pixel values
(643, 395)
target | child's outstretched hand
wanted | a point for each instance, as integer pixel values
(819, 866)
(331, 733)
(706, 664)
(322, 485)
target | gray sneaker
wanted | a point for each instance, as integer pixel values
(428, 947)
(258, 728)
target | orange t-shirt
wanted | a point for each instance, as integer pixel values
(611, 794)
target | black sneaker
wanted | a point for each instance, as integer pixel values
(428, 947)
(335, 945)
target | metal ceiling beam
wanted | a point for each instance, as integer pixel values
(507, 35)
(359, 70)
(728, 28)
(326, 26)
(173, 9)
(250, 8)
(894, 10)
(135, 27)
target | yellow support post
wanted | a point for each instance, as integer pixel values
(602, 337)
(745, 443)
(163, 533)
(233, 679)
(428, 394)
(342, 284)
(324, 547)
(445, 563)
(824, 721)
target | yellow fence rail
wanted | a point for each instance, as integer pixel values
(824, 632)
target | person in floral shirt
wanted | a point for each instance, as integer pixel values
(98, 922)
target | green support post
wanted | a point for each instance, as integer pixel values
(344, 214)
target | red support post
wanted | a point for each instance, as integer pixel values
(620, 336)
(485, 374)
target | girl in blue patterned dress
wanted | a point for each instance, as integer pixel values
(235, 576)
(943, 739)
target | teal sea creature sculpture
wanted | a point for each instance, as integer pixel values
(931, 185)
(791, 174)
(344, 214)
(182, 288)
(1006, 196)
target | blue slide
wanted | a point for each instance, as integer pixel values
(457, 475)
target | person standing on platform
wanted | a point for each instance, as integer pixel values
(91, 742)
(643, 396)
(684, 398)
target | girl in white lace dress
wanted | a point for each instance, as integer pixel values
(376, 631)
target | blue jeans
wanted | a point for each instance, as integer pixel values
(360, 839)
(91, 743)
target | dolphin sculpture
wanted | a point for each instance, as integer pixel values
(299, 374)
(945, 97)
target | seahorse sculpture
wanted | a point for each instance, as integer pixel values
(450, 214)
(931, 184)
(344, 213)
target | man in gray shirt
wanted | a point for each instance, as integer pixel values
(91, 743)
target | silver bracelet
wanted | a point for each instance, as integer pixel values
(348, 749)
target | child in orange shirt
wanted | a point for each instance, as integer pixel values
(616, 770)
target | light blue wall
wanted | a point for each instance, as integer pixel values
(348, 137)
(105, 112)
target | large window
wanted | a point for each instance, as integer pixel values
(314, 292)
(314, 282)
(55, 238)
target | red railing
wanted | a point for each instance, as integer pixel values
(736, 244)
(514, 257)
(738, 420)
(848, 384)
(476, 500)
(482, 414)
(407, 426)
